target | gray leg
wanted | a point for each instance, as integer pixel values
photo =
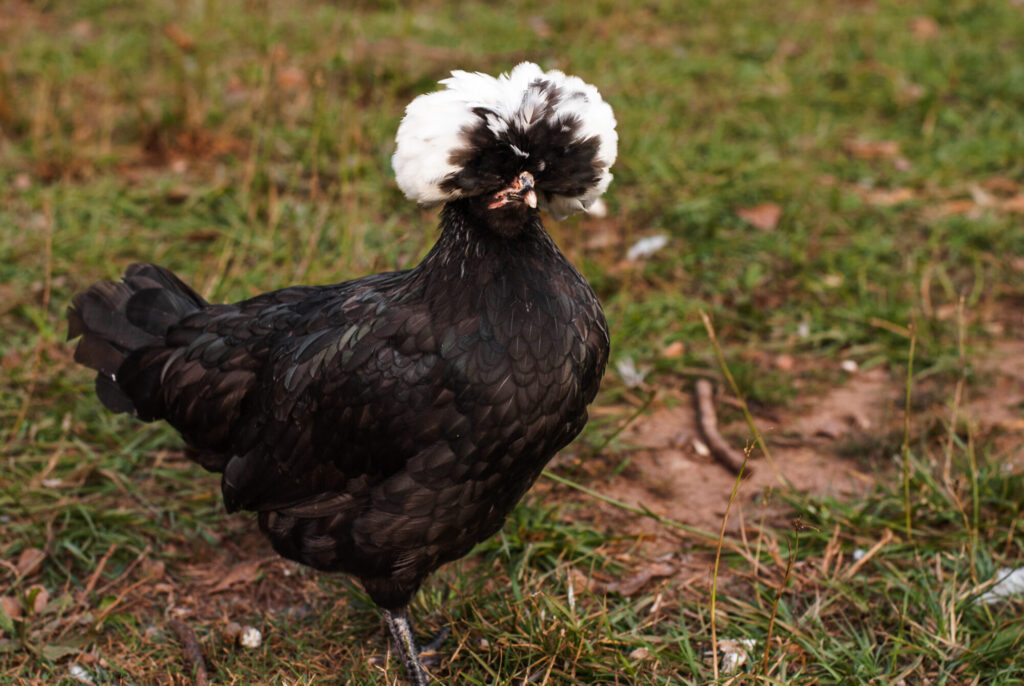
(404, 641)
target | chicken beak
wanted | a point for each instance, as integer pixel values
(520, 189)
(526, 192)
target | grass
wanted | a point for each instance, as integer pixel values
(247, 146)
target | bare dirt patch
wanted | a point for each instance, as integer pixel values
(997, 409)
(1002, 405)
(669, 473)
(835, 444)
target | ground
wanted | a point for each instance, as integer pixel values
(837, 186)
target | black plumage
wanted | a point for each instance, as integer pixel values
(382, 426)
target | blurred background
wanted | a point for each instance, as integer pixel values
(838, 186)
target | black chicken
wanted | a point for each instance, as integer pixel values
(384, 426)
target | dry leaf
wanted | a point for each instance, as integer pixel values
(154, 569)
(179, 37)
(872, 150)
(924, 27)
(764, 216)
(581, 581)
(30, 560)
(240, 573)
(1014, 204)
(634, 583)
(291, 78)
(42, 597)
(963, 206)
(889, 197)
(1002, 184)
(674, 350)
(10, 606)
(81, 29)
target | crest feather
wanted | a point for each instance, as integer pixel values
(478, 114)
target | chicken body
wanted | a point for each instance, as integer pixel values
(383, 426)
(379, 427)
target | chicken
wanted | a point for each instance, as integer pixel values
(382, 427)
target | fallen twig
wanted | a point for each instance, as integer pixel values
(95, 576)
(855, 567)
(707, 421)
(194, 661)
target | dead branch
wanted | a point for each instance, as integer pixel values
(194, 661)
(707, 421)
(855, 567)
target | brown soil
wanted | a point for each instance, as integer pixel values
(668, 473)
(836, 444)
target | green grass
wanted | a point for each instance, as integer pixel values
(255, 153)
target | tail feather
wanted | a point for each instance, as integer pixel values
(111, 395)
(155, 310)
(116, 320)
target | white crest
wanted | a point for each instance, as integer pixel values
(436, 126)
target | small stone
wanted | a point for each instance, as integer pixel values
(79, 674)
(250, 637)
(849, 366)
